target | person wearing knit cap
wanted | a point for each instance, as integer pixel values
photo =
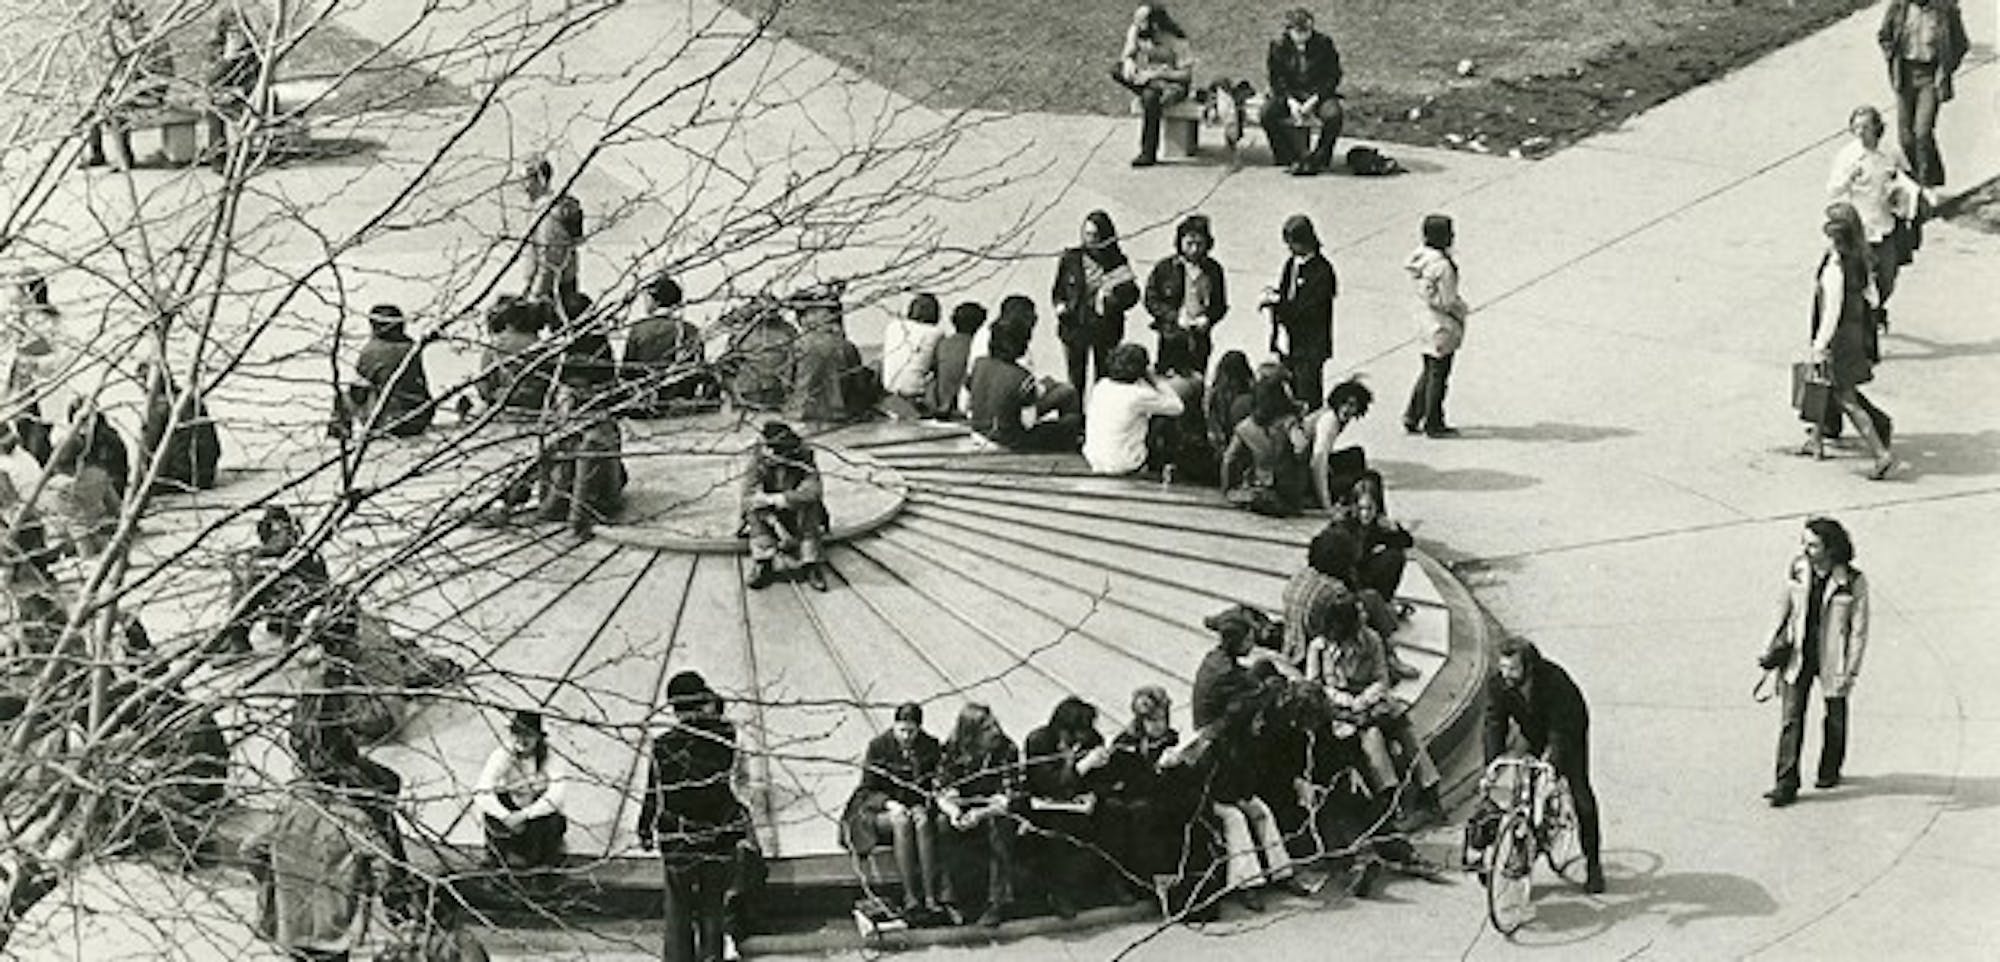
(824, 383)
(909, 350)
(396, 394)
(1094, 287)
(664, 356)
(783, 506)
(692, 814)
(1185, 292)
(1301, 309)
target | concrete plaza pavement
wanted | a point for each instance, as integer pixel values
(1625, 495)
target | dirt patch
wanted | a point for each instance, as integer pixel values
(1978, 208)
(388, 82)
(1544, 73)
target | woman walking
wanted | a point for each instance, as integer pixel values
(1094, 288)
(1843, 332)
(1822, 633)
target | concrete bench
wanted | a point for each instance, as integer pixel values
(1180, 127)
(174, 127)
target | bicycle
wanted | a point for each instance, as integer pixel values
(1540, 818)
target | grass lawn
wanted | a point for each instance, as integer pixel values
(1554, 69)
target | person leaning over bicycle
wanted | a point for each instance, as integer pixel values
(1537, 696)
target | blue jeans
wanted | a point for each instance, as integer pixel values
(1916, 121)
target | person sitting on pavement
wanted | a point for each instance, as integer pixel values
(1186, 292)
(1385, 546)
(1263, 468)
(1142, 813)
(1227, 399)
(783, 506)
(821, 387)
(760, 354)
(395, 393)
(1352, 661)
(1304, 69)
(664, 354)
(1156, 67)
(316, 861)
(85, 487)
(1059, 758)
(951, 360)
(899, 773)
(296, 583)
(1010, 407)
(1226, 703)
(1334, 470)
(1190, 456)
(979, 786)
(194, 449)
(1128, 421)
(1530, 694)
(692, 813)
(520, 797)
(909, 352)
(519, 369)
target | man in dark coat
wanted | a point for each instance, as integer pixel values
(691, 811)
(1304, 68)
(1923, 42)
(784, 505)
(193, 446)
(397, 394)
(1536, 696)
(664, 358)
(1301, 309)
(1185, 292)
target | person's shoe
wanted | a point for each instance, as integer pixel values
(816, 576)
(1781, 796)
(949, 913)
(992, 917)
(1371, 874)
(1412, 427)
(1884, 468)
(1593, 883)
(1144, 161)
(760, 576)
(1062, 906)
(1827, 781)
(917, 915)
(1403, 670)
(1249, 899)
(1441, 432)
(1297, 886)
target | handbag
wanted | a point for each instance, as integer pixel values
(1812, 391)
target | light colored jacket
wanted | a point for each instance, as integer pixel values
(315, 860)
(1440, 310)
(1843, 626)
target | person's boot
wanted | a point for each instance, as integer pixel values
(761, 576)
(816, 576)
(1593, 882)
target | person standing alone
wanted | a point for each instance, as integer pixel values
(1440, 325)
(1537, 696)
(1821, 634)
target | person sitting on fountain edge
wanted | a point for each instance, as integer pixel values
(782, 505)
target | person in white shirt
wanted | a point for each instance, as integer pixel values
(1118, 435)
(908, 347)
(1880, 188)
(520, 794)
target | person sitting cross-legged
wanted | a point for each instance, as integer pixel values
(520, 794)
(783, 508)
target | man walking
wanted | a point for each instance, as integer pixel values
(1923, 42)
(1537, 697)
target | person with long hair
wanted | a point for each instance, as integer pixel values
(899, 773)
(1335, 470)
(1156, 67)
(1441, 313)
(1129, 421)
(1261, 469)
(1140, 813)
(520, 796)
(1842, 332)
(1094, 287)
(1228, 399)
(1820, 637)
(1186, 292)
(1060, 758)
(979, 786)
(1301, 309)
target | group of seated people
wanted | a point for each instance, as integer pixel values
(1300, 745)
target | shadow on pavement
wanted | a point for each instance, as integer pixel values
(1413, 476)
(1973, 455)
(1681, 898)
(1546, 431)
(1908, 348)
(1958, 794)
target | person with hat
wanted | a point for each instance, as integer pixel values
(520, 796)
(692, 814)
(1301, 309)
(824, 383)
(1093, 289)
(1227, 699)
(1186, 292)
(276, 584)
(664, 355)
(909, 351)
(1304, 68)
(1441, 313)
(396, 393)
(783, 506)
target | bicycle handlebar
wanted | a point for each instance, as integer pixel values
(1504, 762)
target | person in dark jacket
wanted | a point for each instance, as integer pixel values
(692, 813)
(396, 395)
(1304, 68)
(295, 585)
(824, 387)
(1186, 292)
(1094, 288)
(1535, 696)
(1228, 698)
(1923, 42)
(233, 70)
(1002, 394)
(1140, 814)
(979, 785)
(783, 506)
(1301, 309)
(1060, 757)
(193, 446)
(898, 775)
(664, 356)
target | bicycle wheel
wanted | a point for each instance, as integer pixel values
(1510, 874)
(1560, 843)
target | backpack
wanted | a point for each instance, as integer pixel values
(1366, 161)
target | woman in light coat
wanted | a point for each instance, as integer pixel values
(1821, 635)
(1440, 325)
